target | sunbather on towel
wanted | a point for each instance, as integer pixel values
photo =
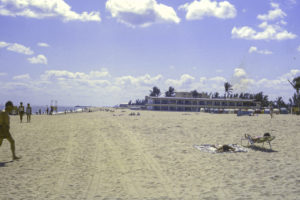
(224, 148)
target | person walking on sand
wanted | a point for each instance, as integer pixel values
(21, 111)
(28, 112)
(4, 128)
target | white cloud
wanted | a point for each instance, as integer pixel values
(218, 79)
(239, 72)
(273, 14)
(42, 44)
(206, 8)
(145, 80)
(99, 74)
(40, 9)
(270, 32)
(3, 44)
(3, 74)
(84, 88)
(141, 13)
(184, 80)
(67, 75)
(254, 49)
(15, 47)
(39, 59)
(298, 49)
(22, 77)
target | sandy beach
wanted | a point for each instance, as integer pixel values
(111, 155)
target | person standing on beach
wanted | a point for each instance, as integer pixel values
(4, 128)
(21, 111)
(28, 112)
(271, 111)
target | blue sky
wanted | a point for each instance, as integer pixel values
(108, 52)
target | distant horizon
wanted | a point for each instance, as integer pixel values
(109, 52)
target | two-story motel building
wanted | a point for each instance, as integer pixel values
(184, 101)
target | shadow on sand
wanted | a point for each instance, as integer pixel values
(262, 149)
(2, 164)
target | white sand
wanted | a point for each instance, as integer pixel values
(101, 156)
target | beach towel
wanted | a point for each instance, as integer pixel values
(212, 148)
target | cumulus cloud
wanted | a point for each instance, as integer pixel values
(39, 59)
(239, 72)
(272, 14)
(141, 13)
(42, 44)
(15, 47)
(269, 32)
(184, 80)
(254, 49)
(67, 75)
(22, 77)
(240, 80)
(145, 80)
(218, 79)
(206, 8)
(100, 88)
(3, 44)
(40, 9)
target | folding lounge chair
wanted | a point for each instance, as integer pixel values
(259, 139)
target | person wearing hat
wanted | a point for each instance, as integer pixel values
(4, 128)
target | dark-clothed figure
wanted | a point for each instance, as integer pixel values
(4, 128)
(21, 111)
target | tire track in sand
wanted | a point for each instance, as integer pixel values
(109, 149)
(149, 161)
(64, 172)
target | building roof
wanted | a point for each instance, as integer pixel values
(204, 99)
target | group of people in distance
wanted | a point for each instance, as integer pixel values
(28, 112)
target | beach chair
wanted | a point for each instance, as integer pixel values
(259, 139)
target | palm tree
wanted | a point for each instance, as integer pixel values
(296, 85)
(194, 93)
(228, 88)
(170, 92)
(155, 92)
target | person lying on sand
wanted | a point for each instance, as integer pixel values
(4, 128)
(224, 148)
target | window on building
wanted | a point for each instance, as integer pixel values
(172, 101)
(231, 104)
(164, 101)
(224, 103)
(173, 108)
(217, 103)
(164, 108)
(187, 102)
(156, 101)
(201, 103)
(180, 102)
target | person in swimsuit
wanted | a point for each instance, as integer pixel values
(4, 128)
(28, 112)
(21, 111)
